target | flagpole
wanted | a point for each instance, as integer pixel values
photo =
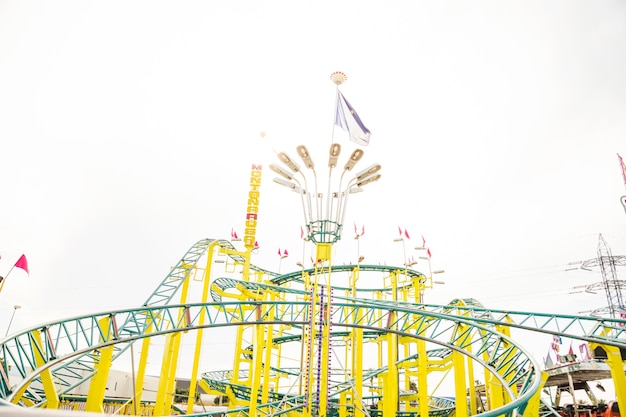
(337, 78)
(5, 278)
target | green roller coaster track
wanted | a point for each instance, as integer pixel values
(69, 347)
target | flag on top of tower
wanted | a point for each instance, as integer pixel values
(347, 119)
(345, 115)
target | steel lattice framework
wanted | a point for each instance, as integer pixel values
(67, 351)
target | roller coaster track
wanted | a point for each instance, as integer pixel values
(85, 334)
(66, 350)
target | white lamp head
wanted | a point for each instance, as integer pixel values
(284, 158)
(354, 158)
(305, 156)
(282, 172)
(333, 155)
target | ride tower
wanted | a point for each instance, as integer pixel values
(324, 215)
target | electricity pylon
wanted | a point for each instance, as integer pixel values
(610, 283)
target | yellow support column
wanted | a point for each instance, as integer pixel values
(343, 412)
(171, 379)
(98, 383)
(159, 405)
(357, 354)
(616, 365)
(460, 388)
(257, 363)
(471, 382)
(141, 369)
(52, 397)
(318, 367)
(200, 333)
(325, 365)
(309, 339)
(494, 391)
(422, 380)
(391, 386)
(532, 407)
(267, 360)
(167, 379)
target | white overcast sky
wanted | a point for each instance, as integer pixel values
(127, 131)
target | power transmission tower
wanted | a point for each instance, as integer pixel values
(612, 286)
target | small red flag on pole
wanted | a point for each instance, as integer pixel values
(22, 263)
(623, 167)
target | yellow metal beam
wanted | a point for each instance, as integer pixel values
(98, 383)
(616, 365)
(460, 387)
(169, 364)
(206, 281)
(52, 397)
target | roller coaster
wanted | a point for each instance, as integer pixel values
(413, 343)
(310, 342)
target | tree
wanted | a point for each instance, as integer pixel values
(181, 395)
(221, 400)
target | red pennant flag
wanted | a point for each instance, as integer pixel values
(256, 244)
(363, 230)
(428, 252)
(279, 254)
(623, 167)
(406, 234)
(584, 352)
(423, 241)
(399, 230)
(22, 263)
(285, 253)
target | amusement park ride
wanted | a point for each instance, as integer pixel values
(312, 342)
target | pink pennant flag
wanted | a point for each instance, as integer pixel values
(399, 230)
(423, 242)
(22, 263)
(406, 234)
(623, 167)
(622, 314)
(556, 343)
(584, 352)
